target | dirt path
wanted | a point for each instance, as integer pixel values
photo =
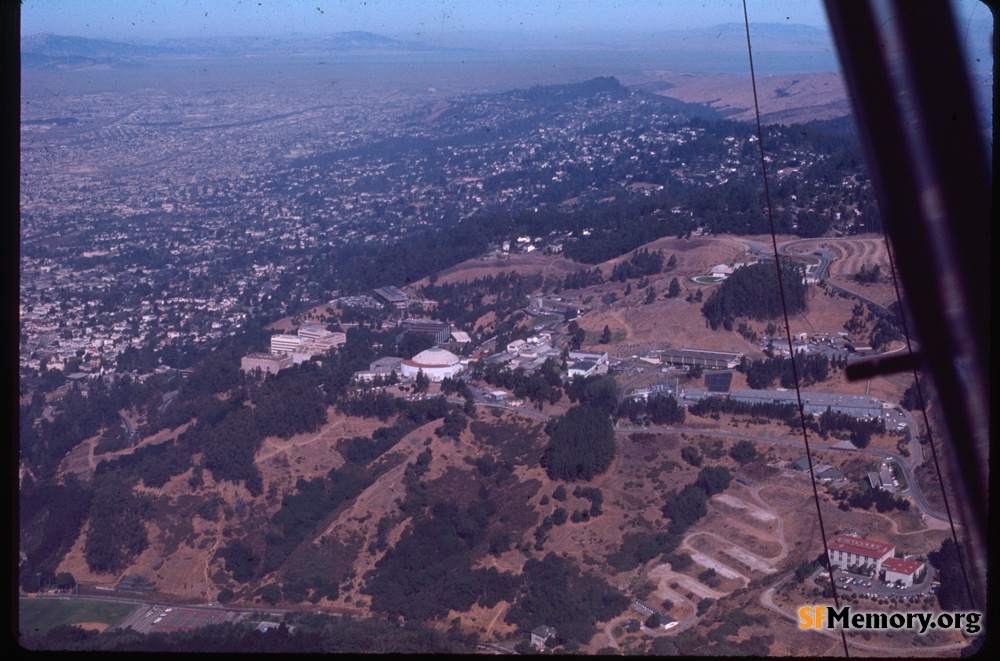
(493, 622)
(274, 446)
(779, 530)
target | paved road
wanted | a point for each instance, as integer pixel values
(767, 601)
(825, 257)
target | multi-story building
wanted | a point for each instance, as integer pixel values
(269, 363)
(439, 329)
(289, 344)
(847, 551)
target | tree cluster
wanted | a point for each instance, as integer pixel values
(861, 430)
(761, 374)
(582, 445)
(429, 570)
(641, 263)
(464, 302)
(685, 508)
(656, 410)
(583, 278)
(51, 518)
(304, 633)
(714, 405)
(554, 592)
(116, 533)
(753, 291)
(953, 595)
(867, 275)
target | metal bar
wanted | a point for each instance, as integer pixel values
(914, 110)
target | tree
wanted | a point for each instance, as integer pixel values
(582, 445)
(606, 335)
(690, 454)
(674, 290)
(911, 398)
(421, 382)
(65, 581)
(714, 479)
(743, 452)
(116, 534)
(650, 295)
(577, 335)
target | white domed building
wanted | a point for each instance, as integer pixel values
(437, 364)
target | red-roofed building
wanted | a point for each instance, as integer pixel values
(847, 551)
(903, 570)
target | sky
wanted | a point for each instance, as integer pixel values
(406, 19)
(441, 22)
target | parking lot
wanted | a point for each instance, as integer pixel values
(874, 588)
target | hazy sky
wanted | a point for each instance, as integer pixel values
(150, 19)
(444, 22)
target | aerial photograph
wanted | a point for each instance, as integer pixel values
(589, 327)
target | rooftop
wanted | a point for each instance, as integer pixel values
(902, 565)
(859, 546)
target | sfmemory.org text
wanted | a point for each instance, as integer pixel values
(829, 617)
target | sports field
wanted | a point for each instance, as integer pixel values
(41, 615)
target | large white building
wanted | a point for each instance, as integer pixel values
(436, 364)
(282, 343)
(859, 406)
(312, 339)
(267, 362)
(849, 551)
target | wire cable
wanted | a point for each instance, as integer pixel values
(788, 331)
(927, 424)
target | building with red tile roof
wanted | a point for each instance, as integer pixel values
(848, 551)
(903, 570)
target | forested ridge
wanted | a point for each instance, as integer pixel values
(753, 292)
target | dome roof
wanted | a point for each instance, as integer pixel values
(435, 357)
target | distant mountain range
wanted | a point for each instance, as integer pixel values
(50, 50)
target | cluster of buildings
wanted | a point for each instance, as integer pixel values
(312, 339)
(113, 257)
(79, 320)
(883, 480)
(814, 403)
(822, 472)
(860, 555)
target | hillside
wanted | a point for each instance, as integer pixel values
(784, 99)
(483, 487)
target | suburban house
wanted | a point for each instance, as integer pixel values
(540, 635)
